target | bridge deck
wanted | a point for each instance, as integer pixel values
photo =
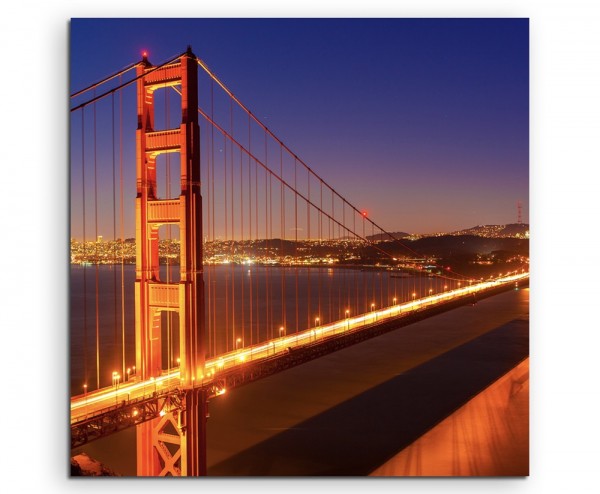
(109, 410)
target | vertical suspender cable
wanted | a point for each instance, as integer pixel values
(122, 227)
(213, 286)
(208, 290)
(252, 271)
(114, 260)
(373, 298)
(257, 291)
(319, 267)
(356, 244)
(232, 263)
(297, 328)
(227, 346)
(308, 241)
(96, 254)
(214, 238)
(272, 245)
(282, 252)
(267, 243)
(337, 271)
(85, 329)
(243, 249)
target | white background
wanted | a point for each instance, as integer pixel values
(565, 287)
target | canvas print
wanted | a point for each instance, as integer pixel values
(299, 247)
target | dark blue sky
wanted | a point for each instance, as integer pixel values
(423, 122)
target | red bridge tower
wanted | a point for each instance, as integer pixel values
(175, 443)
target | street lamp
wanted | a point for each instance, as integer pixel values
(117, 378)
(237, 342)
(394, 300)
(317, 321)
(281, 331)
(128, 372)
(347, 320)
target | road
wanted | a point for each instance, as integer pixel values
(87, 404)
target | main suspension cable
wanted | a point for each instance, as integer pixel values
(214, 77)
(125, 84)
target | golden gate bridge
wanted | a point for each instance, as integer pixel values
(247, 262)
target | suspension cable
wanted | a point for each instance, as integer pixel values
(214, 77)
(251, 115)
(125, 84)
(106, 79)
(286, 184)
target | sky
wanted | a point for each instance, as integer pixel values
(422, 122)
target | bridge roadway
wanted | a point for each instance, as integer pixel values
(143, 400)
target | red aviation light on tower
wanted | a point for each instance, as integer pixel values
(145, 54)
(364, 213)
